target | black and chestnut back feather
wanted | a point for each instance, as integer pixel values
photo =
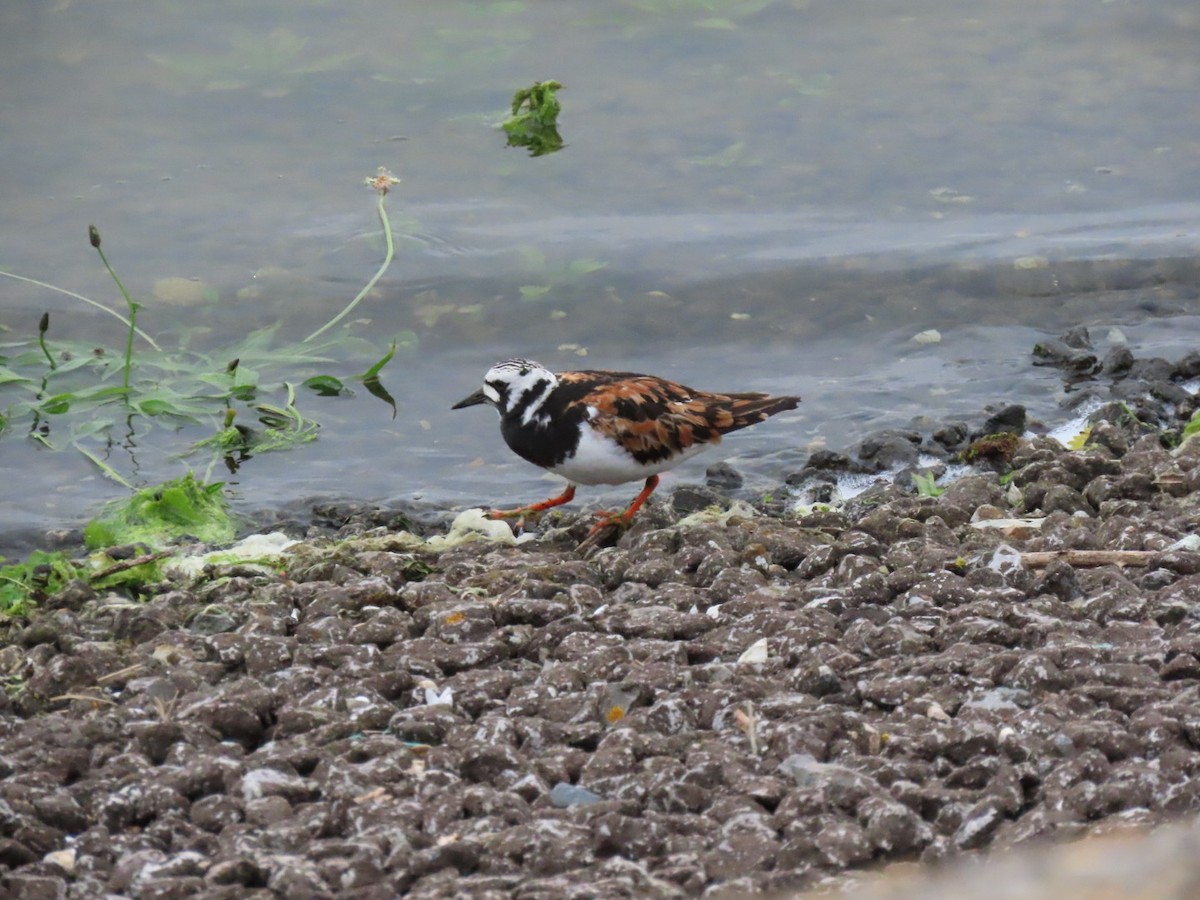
(654, 418)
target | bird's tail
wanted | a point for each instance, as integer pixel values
(748, 409)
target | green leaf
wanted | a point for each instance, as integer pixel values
(327, 386)
(165, 402)
(154, 407)
(733, 155)
(100, 394)
(8, 376)
(91, 427)
(375, 369)
(108, 470)
(244, 377)
(56, 405)
(532, 258)
(376, 389)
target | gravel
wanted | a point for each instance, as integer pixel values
(497, 720)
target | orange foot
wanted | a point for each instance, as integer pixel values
(534, 508)
(612, 526)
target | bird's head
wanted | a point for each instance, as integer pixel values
(515, 385)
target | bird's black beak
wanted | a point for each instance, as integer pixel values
(473, 400)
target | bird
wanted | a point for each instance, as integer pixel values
(600, 427)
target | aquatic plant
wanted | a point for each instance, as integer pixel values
(534, 120)
(62, 394)
(24, 584)
(158, 515)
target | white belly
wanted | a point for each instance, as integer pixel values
(599, 460)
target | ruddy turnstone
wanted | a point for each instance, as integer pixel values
(597, 427)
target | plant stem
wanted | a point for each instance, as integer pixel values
(43, 327)
(100, 306)
(94, 235)
(387, 261)
(133, 308)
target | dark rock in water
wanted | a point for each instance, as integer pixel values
(1010, 419)
(1062, 356)
(889, 449)
(723, 476)
(1078, 337)
(1134, 395)
(952, 435)
(824, 465)
(1117, 361)
(1189, 366)
(313, 517)
(817, 491)
(1151, 370)
(690, 498)
(1089, 394)
(1169, 392)
(828, 459)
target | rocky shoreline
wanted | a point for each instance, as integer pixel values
(761, 699)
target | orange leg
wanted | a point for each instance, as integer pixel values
(622, 521)
(565, 497)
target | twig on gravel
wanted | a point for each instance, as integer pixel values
(747, 721)
(378, 793)
(121, 673)
(91, 698)
(1042, 558)
(130, 564)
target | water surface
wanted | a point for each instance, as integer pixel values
(754, 195)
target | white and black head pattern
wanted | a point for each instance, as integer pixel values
(533, 422)
(517, 388)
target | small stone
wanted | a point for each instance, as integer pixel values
(564, 795)
(723, 477)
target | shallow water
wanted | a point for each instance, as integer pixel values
(754, 196)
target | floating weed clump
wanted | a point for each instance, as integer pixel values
(158, 515)
(534, 120)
